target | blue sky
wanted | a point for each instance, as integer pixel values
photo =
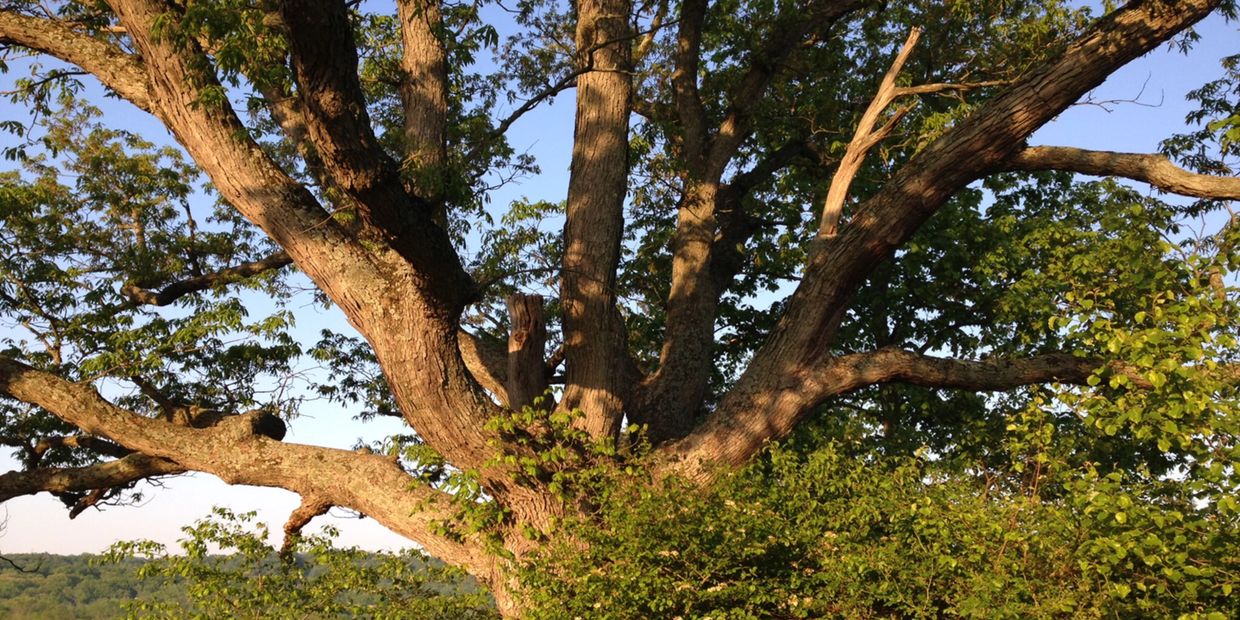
(1158, 81)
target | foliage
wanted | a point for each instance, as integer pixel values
(1115, 496)
(54, 587)
(226, 569)
(841, 531)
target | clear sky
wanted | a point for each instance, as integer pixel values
(40, 523)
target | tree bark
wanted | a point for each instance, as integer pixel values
(424, 94)
(595, 341)
(527, 339)
(1153, 169)
(769, 399)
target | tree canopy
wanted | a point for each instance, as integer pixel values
(807, 263)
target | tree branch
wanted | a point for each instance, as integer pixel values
(117, 70)
(309, 508)
(107, 475)
(487, 361)
(791, 29)
(424, 94)
(1153, 169)
(85, 442)
(595, 343)
(892, 365)
(181, 288)
(864, 139)
(693, 137)
(501, 128)
(325, 63)
(768, 399)
(670, 398)
(234, 450)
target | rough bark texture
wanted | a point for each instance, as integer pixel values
(773, 395)
(527, 337)
(595, 346)
(1153, 169)
(424, 93)
(117, 70)
(399, 281)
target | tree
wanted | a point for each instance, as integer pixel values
(721, 150)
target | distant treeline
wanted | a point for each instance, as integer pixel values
(71, 587)
(349, 583)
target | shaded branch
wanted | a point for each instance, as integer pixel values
(685, 94)
(325, 65)
(116, 69)
(671, 397)
(487, 362)
(85, 442)
(736, 225)
(107, 475)
(854, 371)
(791, 30)
(1153, 169)
(179, 289)
(942, 87)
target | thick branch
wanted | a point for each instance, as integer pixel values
(234, 450)
(1153, 169)
(424, 93)
(325, 64)
(181, 288)
(117, 70)
(324, 59)
(116, 473)
(767, 400)
(595, 342)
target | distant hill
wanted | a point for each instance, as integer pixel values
(69, 587)
(40, 586)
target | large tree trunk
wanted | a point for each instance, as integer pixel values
(398, 279)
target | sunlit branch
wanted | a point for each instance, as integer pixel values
(116, 69)
(1153, 169)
